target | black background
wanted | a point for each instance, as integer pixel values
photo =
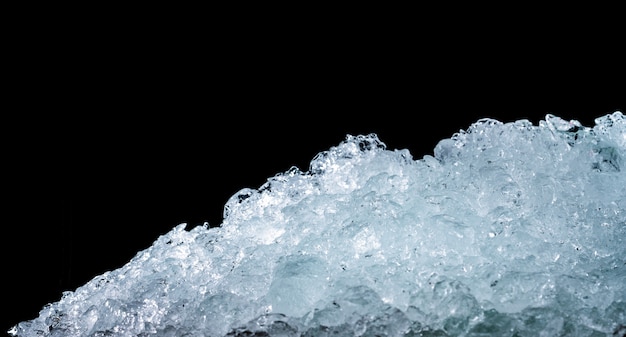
(120, 131)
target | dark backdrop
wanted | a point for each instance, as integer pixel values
(120, 136)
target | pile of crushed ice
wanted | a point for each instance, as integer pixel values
(510, 229)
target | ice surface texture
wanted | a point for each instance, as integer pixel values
(511, 229)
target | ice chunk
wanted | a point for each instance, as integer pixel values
(511, 229)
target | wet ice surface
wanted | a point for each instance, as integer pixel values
(511, 229)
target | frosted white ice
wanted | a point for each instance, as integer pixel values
(510, 229)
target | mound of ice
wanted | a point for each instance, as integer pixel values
(511, 229)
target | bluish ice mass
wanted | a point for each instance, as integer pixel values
(510, 229)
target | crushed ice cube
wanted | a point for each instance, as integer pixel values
(510, 229)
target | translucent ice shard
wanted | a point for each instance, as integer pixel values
(510, 229)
